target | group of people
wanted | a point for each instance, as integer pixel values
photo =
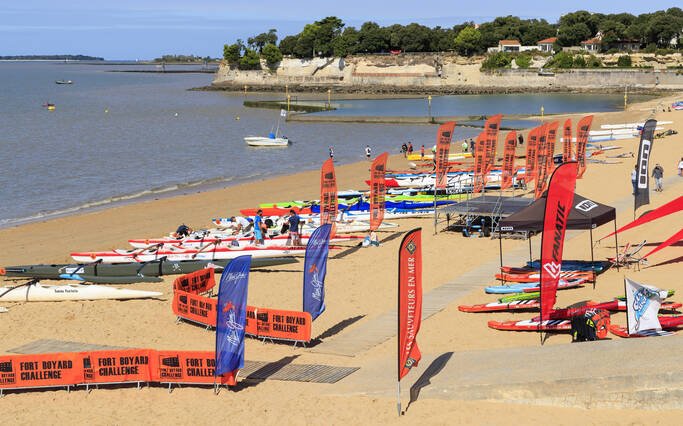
(292, 225)
(407, 149)
(657, 175)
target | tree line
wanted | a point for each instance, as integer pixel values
(331, 37)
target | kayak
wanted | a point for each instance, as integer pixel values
(50, 293)
(178, 254)
(667, 323)
(277, 241)
(536, 276)
(525, 287)
(156, 268)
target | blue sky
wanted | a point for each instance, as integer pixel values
(144, 29)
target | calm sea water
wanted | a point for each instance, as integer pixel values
(121, 137)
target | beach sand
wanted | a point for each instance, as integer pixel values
(359, 288)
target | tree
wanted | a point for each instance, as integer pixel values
(347, 43)
(232, 53)
(305, 42)
(572, 35)
(662, 29)
(561, 60)
(612, 31)
(415, 38)
(537, 31)
(271, 54)
(250, 60)
(259, 41)
(326, 30)
(371, 39)
(288, 44)
(468, 41)
(497, 60)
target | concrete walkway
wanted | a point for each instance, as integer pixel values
(382, 328)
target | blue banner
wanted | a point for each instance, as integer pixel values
(232, 315)
(315, 268)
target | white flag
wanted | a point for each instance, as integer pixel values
(642, 306)
(283, 113)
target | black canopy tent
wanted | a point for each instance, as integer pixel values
(584, 214)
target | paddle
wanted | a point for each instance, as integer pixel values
(201, 249)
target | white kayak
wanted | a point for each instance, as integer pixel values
(208, 252)
(52, 293)
(630, 125)
(342, 228)
(229, 241)
(262, 141)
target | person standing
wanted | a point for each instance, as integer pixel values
(259, 227)
(520, 139)
(680, 167)
(422, 153)
(472, 146)
(332, 153)
(464, 145)
(294, 236)
(368, 151)
(404, 150)
(410, 147)
(658, 174)
(634, 178)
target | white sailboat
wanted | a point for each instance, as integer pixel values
(273, 139)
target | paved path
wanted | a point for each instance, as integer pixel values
(382, 328)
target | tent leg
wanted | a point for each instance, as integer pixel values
(500, 250)
(616, 243)
(528, 236)
(592, 258)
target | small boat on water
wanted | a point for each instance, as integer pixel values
(64, 82)
(273, 139)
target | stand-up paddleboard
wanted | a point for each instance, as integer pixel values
(525, 287)
(52, 293)
(531, 325)
(667, 323)
(516, 305)
(536, 276)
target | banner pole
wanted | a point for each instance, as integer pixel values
(616, 242)
(592, 258)
(398, 404)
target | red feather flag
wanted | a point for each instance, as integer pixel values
(550, 139)
(328, 193)
(479, 163)
(531, 145)
(567, 143)
(491, 128)
(377, 190)
(557, 207)
(673, 239)
(442, 148)
(582, 132)
(409, 300)
(509, 160)
(541, 164)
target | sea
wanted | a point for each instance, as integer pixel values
(117, 136)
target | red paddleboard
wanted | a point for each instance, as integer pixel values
(531, 325)
(275, 211)
(621, 331)
(536, 276)
(389, 183)
(561, 286)
(500, 306)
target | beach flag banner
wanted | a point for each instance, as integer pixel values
(642, 196)
(541, 163)
(377, 190)
(409, 303)
(642, 306)
(491, 128)
(567, 141)
(531, 145)
(479, 163)
(582, 131)
(443, 146)
(665, 210)
(551, 139)
(558, 205)
(328, 193)
(509, 160)
(231, 316)
(678, 236)
(315, 269)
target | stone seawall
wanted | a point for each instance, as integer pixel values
(438, 74)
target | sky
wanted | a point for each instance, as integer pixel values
(146, 29)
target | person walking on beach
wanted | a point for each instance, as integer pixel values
(520, 139)
(634, 178)
(259, 227)
(404, 150)
(410, 147)
(658, 174)
(294, 236)
(332, 153)
(422, 154)
(368, 151)
(472, 146)
(464, 145)
(680, 167)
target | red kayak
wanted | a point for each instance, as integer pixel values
(276, 211)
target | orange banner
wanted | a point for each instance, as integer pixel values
(409, 300)
(196, 282)
(442, 148)
(260, 322)
(491, 128)
(129, 365)
(531, 147)
(377, 191)
(509, 160)
(551, 138)
(40, 370)
(328, 194)
(185, 367)
(479, 163)
(567, 142)
(582, 132)
(541, 165)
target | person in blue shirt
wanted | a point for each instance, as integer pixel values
(294, 236)
(259, 227)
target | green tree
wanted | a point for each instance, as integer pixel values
(537, 31)
(497, 60)
(612, 31)
(415, 38)
(370, 38)
(662, 29)
(271, 53)
(561, 60)
(326, 31)
(523, 61)
(468, 41)
(347, 43)
(624, 61)
(259, 41)
(305, 43)
(232, 53)
(572, 35)
(250, 60)
(288, 44)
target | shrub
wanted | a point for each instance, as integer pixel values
(250, 60)
(523, 61)
(650, 48)
(594, 62)
(562, 60)
(271, 53)
(497, 60)
(579, 62)
(624, 61)
(612, 51)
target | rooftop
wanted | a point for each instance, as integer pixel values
(509, 43)
(548, 40)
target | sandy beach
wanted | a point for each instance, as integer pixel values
(360, 287)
